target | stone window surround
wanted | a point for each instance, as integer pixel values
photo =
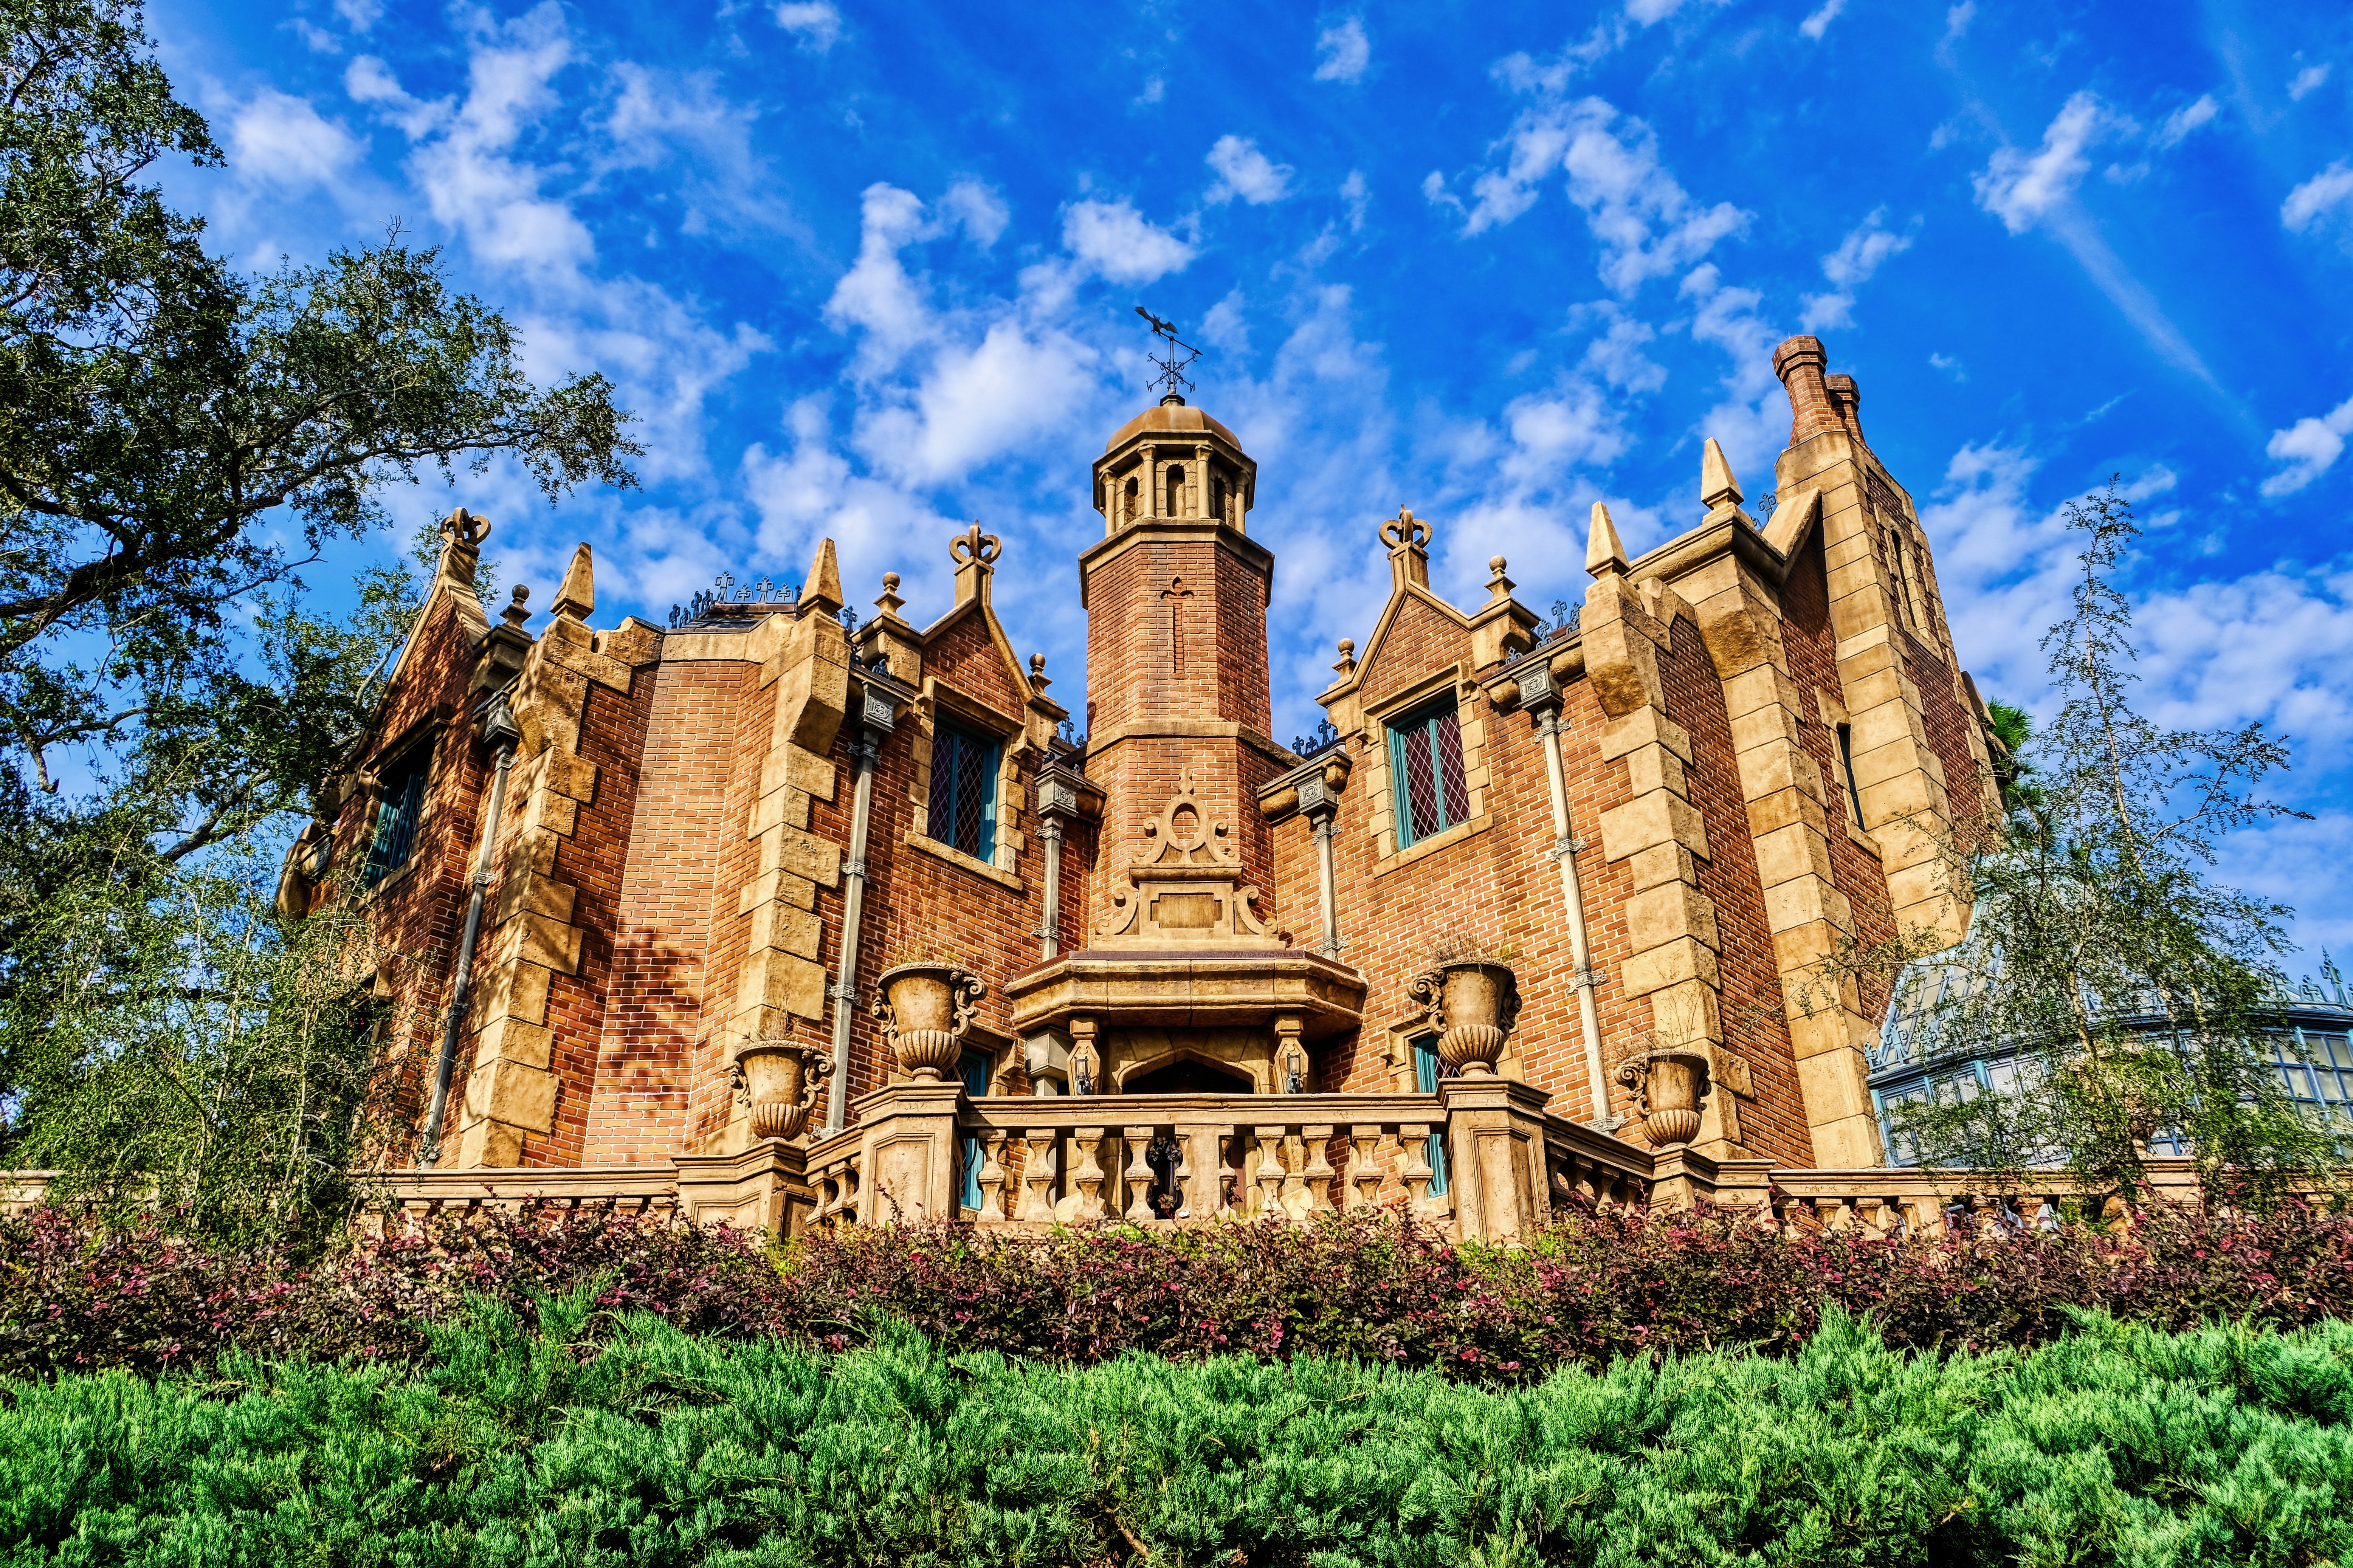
(1382, 822)
(428, 730)
(1399, 1034)
(938, 698)
(1831, 713)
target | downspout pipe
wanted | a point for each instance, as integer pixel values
(1544, 698)
(867, 748)
(499, 728)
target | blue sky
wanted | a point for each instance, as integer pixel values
(868, 271)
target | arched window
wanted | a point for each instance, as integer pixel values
(1217, 499)
(1127, 503)
(1176, 490)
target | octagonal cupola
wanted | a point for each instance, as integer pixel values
(1173, 463)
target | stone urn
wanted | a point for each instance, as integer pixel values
(925, 1009)
(1473, 1002)
(1668, 1086)
(782, 1078)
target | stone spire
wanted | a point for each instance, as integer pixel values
(1716, 486)
(575, 600)
(1603, 554)
(823, 589)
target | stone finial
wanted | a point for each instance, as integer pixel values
(823, 592)
(1347, 665)
(1499, 587)
(1038, 681)
(1408, 538)
(975, 555)
(1716, 486)
(575, 600)
(889, 602)
(517, 610)
(1603, 552)
(1799, 362)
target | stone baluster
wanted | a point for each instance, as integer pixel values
(1083, 1203)
(1204, 1172)
(1184, 1178)
(1138, 1174)
(1871, 1217)
(1364, 1185)
(991, 1178)
(1272, 1174)
(1413, 1166)
(1318, 1175)
(1037, 1176)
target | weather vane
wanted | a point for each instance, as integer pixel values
(1172, 374)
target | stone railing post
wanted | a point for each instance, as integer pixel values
(1495, 1138)
(909, 1152)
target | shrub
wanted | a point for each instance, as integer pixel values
(2118, 1445)
(1378, 1288)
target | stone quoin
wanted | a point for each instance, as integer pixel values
(1623, 839)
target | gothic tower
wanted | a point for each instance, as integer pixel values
(1176, 596)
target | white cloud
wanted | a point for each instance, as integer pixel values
(2183, 120)
(2020, 186)
(976, 404)
(1341, 51)
(1617, 356)
(1243, 170)
(1647, 12)
(360, 14)
(2309, 447)
(2307, 82)
(1358, 195)
(1117, 243)
(280, 139)
(1957, 20)
(811, 492)
(1753, 420)
(816, 25)
(1647, 225)
(1815, 25)
(876, 294)
(1848, 267)
(980, 212)
(2326, 193)
(1950, 364)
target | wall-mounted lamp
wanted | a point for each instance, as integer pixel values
(1294, 1079)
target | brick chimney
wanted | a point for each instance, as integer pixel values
(1799, 363)
(1847, 398)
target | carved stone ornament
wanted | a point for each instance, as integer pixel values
(1670, 1086)
(1474, 1003)
(925, 1010)
(781, 1078)
(1187, 884)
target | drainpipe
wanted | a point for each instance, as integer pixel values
(498, 727)
(1542, 695)
(1049, 925)
(844, 989)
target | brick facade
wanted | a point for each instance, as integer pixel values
(674, 861)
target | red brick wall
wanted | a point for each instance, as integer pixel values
(612, 737)
(1773, 1125)
(420, 910)
(711, 1097)
(681, 834)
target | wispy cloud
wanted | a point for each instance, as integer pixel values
(1816, 25)
(814, 25)
(1245, 172)
(2307, 82)
(1343, 51)
(2309, 447)
(2324, 197)
(1848, 268)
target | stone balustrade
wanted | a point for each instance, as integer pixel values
(1178, 1159)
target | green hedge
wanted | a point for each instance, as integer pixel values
(583, 1442)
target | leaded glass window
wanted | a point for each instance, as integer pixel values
(1426, 758)
(963, 791)
(397, 814)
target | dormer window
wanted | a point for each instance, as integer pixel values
(397, 814)
(1426, 758)
(963, 807)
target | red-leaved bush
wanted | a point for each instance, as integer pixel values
(1376, 1287)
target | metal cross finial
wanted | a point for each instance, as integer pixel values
(1172, 368)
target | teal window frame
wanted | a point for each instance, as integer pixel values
(397, 815)
(1427, 1071)
(972, 1070)
(964, 762)
(1431, 725)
